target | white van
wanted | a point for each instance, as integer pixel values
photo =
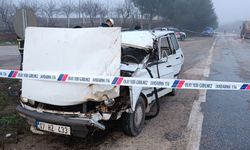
(75, 109)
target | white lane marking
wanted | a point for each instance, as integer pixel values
(209, 60)
(195, 125)
(196, 116)
(202, 96)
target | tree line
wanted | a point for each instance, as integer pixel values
(86, 12)
(189, 14)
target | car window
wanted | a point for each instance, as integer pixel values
(174, 41)
(165, 47)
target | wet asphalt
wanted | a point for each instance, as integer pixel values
(9, 57)
(226, 124)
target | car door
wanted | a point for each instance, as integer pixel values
(165, 66)
(160, 68)
(176, 56)
(165, 62)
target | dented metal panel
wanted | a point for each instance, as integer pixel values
(76, 51)
(138, 39)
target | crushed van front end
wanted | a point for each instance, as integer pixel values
(68, 125)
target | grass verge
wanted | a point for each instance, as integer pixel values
(3, 99)
(11, 120)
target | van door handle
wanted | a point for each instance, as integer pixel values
(169, 66)
(177, 57)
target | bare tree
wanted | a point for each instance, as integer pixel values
(135, 17)
(92, 10)
(135, 14)
(80, 11)
(50, 10)
(118, 11)
(124, 10)
(7, 11)
(67, 9)
(34, 5)
(103, 13)
(109, 8)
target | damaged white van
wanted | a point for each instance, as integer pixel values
(77, 109)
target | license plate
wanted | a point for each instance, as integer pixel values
(53, 128)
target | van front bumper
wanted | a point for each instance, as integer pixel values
(79, 126)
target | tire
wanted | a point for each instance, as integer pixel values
(133, 123)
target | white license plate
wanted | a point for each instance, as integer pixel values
(53, 128)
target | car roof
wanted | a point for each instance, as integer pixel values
(166, 28)
(159, 33)
(141, 39)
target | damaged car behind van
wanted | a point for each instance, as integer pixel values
(77, 109)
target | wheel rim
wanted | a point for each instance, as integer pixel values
(138, 116)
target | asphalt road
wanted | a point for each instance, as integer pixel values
(226, 122)
(9, 57)
(167, 131)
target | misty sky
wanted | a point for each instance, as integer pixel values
(232, 10)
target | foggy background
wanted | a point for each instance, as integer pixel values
(231, 13)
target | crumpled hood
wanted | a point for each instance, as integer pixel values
(86, 51)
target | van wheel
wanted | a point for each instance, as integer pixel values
(133, 123)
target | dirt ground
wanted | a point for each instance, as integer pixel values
(167, 131)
